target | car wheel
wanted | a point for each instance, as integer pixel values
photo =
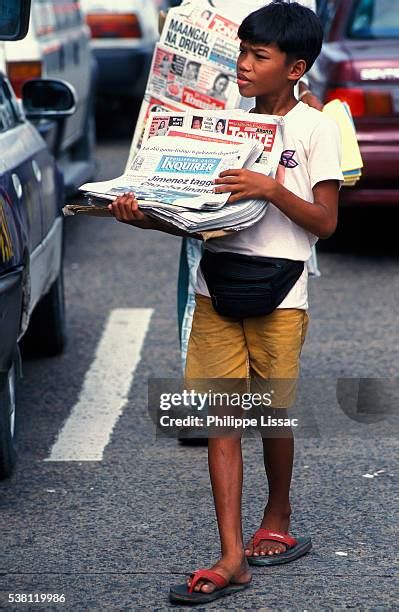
(46, 334)
(8, 403)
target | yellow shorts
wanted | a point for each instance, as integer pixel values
(256, 349)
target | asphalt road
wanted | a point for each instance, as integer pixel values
(112, 534)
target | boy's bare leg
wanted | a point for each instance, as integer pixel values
(278, 455)
(226, 469)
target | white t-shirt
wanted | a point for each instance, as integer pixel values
(312, 153)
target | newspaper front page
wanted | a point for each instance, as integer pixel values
(193, 83)
(194, 63)
(180, 171)
(265, 129)
(200, 37)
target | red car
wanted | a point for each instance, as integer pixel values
(359, 63)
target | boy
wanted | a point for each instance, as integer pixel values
(279, 43)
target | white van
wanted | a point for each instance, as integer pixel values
(58, 46)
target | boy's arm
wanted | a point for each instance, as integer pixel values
(318, 217)
(306, 96)
(323, 167)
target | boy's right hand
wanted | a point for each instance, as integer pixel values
(125, 208)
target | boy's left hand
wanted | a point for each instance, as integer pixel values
(245, 184)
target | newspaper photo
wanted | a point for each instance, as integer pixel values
(150, 104)
(193, 83)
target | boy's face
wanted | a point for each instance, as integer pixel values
(264, 70)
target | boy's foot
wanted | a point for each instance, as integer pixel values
(274, 522)
(235, 572)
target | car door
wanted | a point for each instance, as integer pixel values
(32, 183)
(20, 224)
(18, 181)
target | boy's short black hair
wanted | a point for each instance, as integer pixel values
(295, 29)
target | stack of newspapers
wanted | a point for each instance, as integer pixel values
(173, 174)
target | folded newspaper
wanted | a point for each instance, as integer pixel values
(172, 176)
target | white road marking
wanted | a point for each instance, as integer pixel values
(88, 429)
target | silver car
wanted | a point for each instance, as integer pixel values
(57, 46)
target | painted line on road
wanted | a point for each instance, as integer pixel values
(88, 429)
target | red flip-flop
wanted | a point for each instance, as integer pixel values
(183, 594)
(296, 547)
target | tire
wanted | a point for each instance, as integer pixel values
(46, 334)
(8, 412)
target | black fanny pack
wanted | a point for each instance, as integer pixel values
(244, 286)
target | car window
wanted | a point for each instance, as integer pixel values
(8, 115)
(61, 18)
(62, 11)
(56, 15)
(77, 13)
(44, 17)
(375, 19)
(67, 14)
(326, 10)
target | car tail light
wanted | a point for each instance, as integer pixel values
(364, 102)
(19, 72)
(114, 25)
